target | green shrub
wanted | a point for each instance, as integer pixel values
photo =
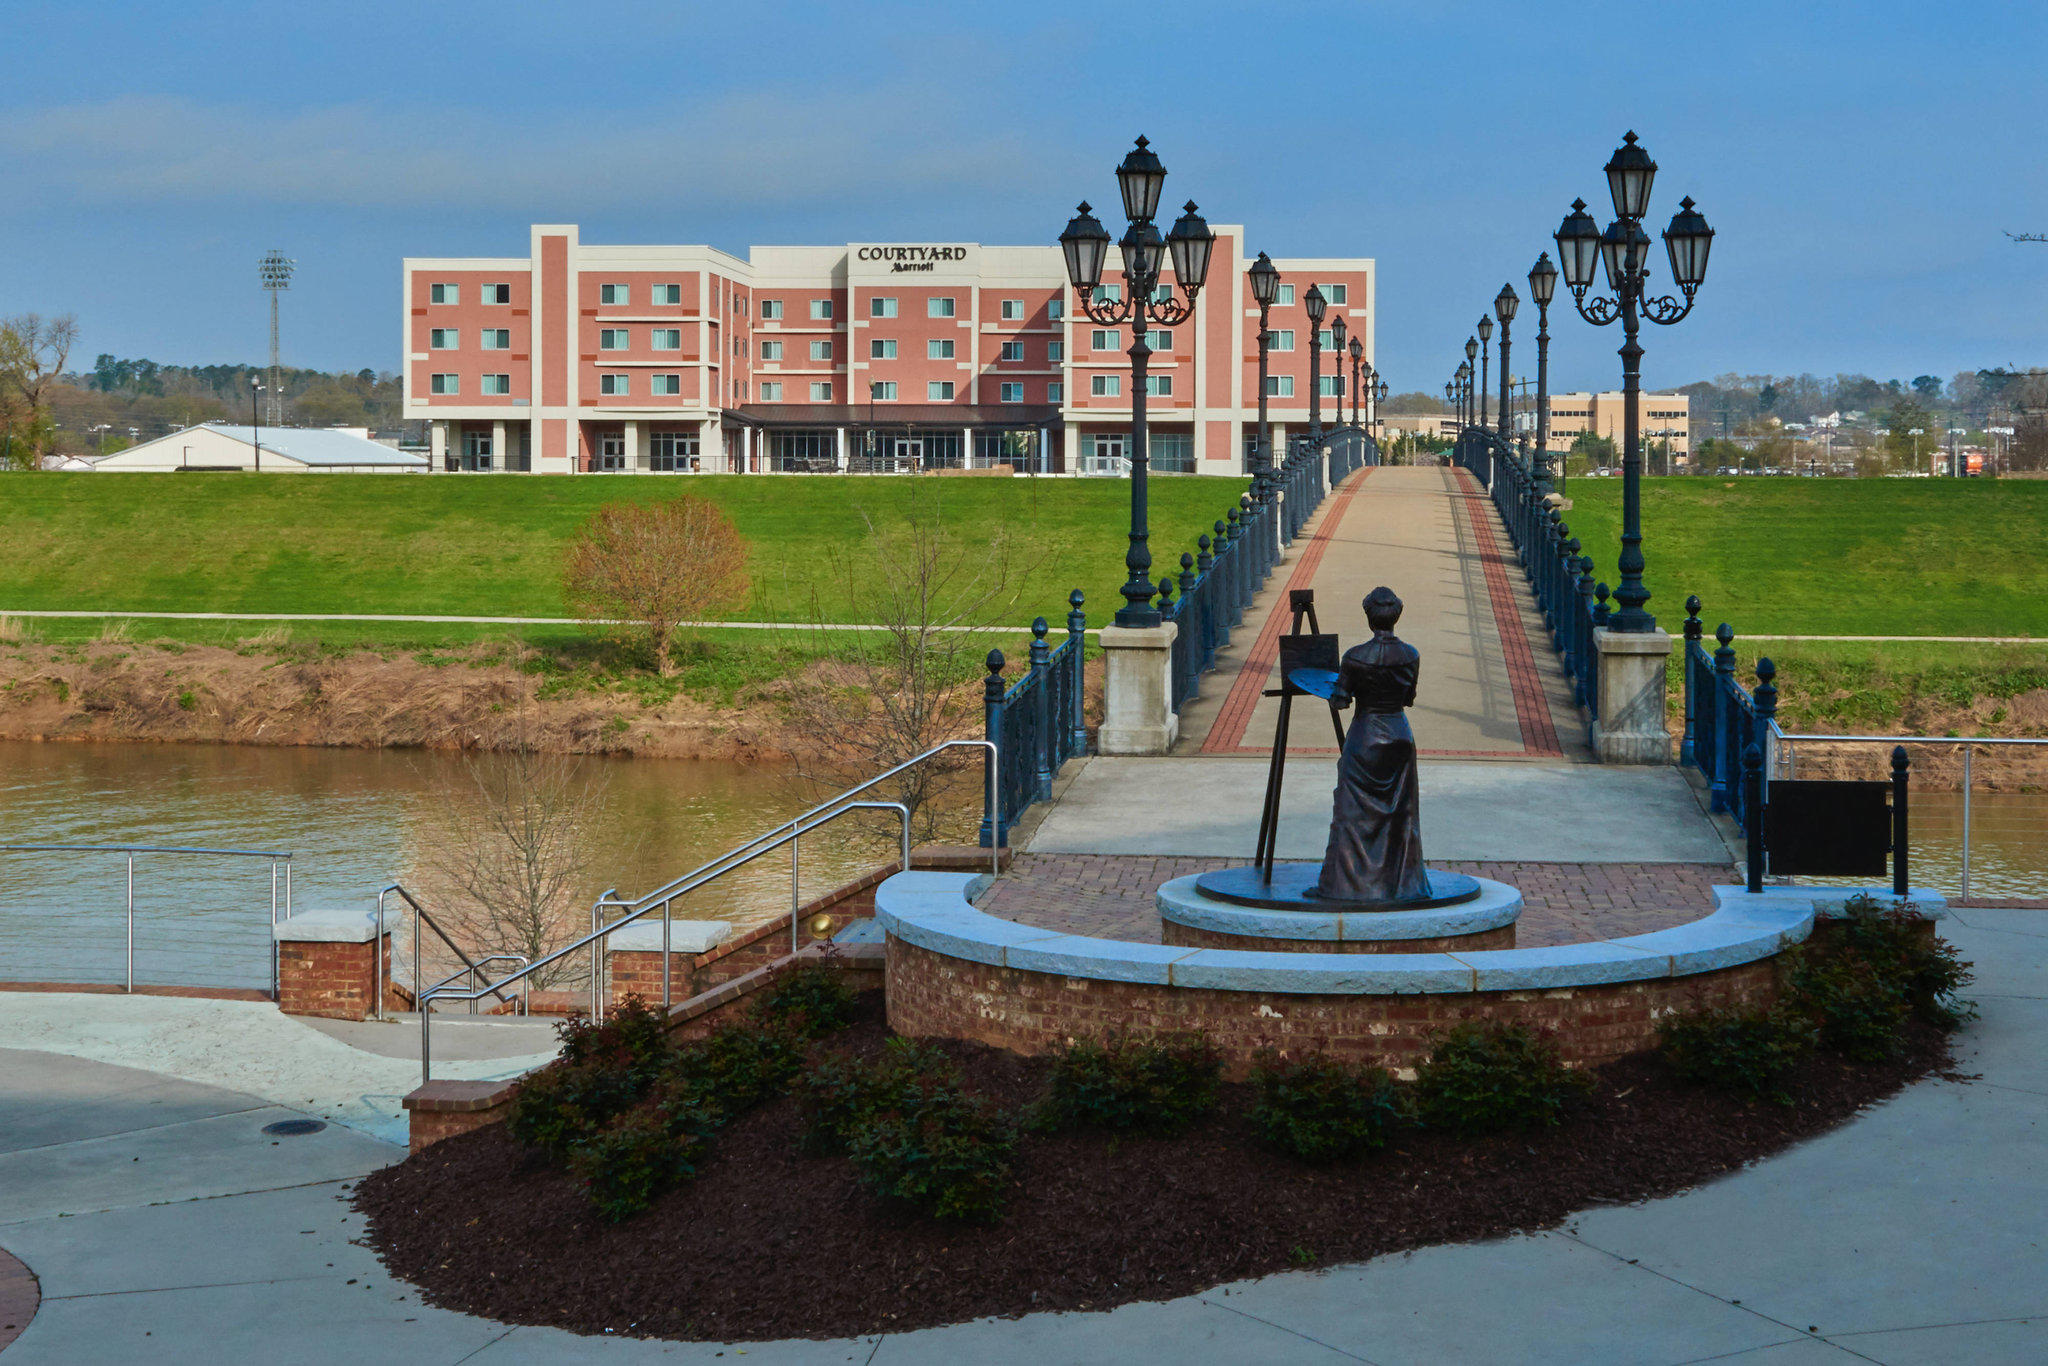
(566, 1102)
(1319, 1110)
(642, 1153)
(1749, 1052)
(1483, 1078)
(1124, 1087)
(813, 999)
(739, 1066)
(1858, 1005)
(942, 1152)
(1925, 968)
(838, 1092)
(634, 1035)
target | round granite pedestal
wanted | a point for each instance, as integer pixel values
(1482, 919)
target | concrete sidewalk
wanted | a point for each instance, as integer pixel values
(1477, 811)
(165, 1227)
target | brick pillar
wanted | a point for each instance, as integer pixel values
(327, 963)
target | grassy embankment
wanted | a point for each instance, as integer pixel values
(492, 547)
(1881, 557)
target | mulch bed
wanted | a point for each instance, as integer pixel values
(771, 1243)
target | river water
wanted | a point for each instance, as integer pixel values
(358, 819)
(354, 820)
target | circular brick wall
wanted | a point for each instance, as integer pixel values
(933, 994)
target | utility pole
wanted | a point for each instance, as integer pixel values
(276, 271)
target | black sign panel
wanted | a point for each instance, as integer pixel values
(1819, 828)
(1306, 652)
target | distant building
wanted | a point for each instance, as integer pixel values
(286, 450)
(580, 357)
(1665, 417)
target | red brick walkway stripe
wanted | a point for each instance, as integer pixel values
(1532, 704)
(1226, 735)
(20, 1296)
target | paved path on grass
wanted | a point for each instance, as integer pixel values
(163, 1225)
(502, 621)
(1491, 684)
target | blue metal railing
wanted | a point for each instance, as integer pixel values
(1560, 577)
(1723, 722)
(1036, 723)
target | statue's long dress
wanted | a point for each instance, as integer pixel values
(1375, 851)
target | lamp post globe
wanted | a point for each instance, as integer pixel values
(1141, 178)
(1265, 283)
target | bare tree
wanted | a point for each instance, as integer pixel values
(653, 568)
(886, 695)
(33, 352)
(506, 873)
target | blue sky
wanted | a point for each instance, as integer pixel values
(1859, 161)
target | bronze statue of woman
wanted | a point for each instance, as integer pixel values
(1375, 852)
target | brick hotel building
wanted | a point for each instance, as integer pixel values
(865, 357)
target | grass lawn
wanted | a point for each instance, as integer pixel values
(1911, 557)
(492, 546)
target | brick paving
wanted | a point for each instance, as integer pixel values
(1111, 895)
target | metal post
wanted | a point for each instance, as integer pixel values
(426, 1043)
(1542, 395)
(1900, 826)
(666, 908)
(992, 709)
(1689, 741)
(1753, 828)
(275, 985)
(131, 924)
(1077, 651)
(1044, 741)
(289, 909)
(1137, 610)
(796, 899)
(1967, 750)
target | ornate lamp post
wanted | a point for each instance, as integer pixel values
(1085, 242)
(1265, 281)
(1315, 303)
(1471, 360)
(1337, 330)
(1379, 396)
(1542, 288)
(1357, 361)
(1504, 305)
(1451, 396)
(1485, 356)
(1624, 249)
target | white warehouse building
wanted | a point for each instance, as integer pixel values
(288, 450)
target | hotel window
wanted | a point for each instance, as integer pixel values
(1325, 340)
(666, 339)
(1013, 393)
(476, 451)
(883, 390)
(770, 308)
(938, 308)
(667, 385)
(1109, 294)
(821, 350)
(821, 308)
(882, 348)
(1286, 295)
(1279, 386)
(496, 384)
(771, 391)
(1055, 392)
(1336, 294)
(1283, 339)
(739, 304)
(1162, 294)
(739, 346)
(1106, 339)
(939, 348)
(445, 338)
(1171, 452)
(668, 294)
(880, 307)
(444, 294)
(771, 350)
(615, 294)
(1159, 386)
(1106, 386)
(672, 452)
(1327, 386)
(613, 339)
(821, 392)
(1056, 309)
(444, 384)
(938, 389)
(496, 338)
(1013, 350)
(1013, 310)
(497, 294)
(614, 386)
(1159, 339)
(1055, 351)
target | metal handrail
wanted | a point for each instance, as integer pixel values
(420, 915)
(787, 833)
(1968, 742)
(473, 969)
(276, 856)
